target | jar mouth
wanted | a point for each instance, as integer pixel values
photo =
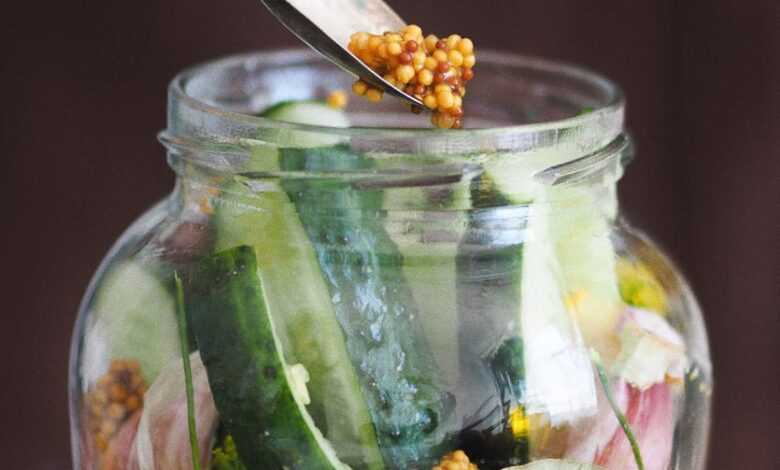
(521, 103)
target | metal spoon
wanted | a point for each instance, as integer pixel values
(326, 26)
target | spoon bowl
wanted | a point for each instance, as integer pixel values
(326, 26)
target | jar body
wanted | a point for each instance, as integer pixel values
(346, 309)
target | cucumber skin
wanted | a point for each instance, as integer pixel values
(227, 310)
(309, 331)
(306, 323)
(363, 270)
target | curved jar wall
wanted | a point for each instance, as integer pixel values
(386, 296)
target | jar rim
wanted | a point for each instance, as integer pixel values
(592, 130)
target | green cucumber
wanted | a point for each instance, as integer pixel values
(373, 303)
(306, 321)
(575, 219)
(559, 377)
(313, 113)
(258, 395)
(133, 316)
(581, 234)
(426, 223)
(568, 265)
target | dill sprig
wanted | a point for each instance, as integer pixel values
(185, 357)
(619, 414)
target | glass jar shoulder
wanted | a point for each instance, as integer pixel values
(650, 279)
(126, 331)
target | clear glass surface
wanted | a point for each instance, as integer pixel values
(383, 295)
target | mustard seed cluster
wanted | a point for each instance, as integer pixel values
(434, 70)
(116, 396)
(457, 460)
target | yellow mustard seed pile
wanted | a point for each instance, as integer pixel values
(457, 460)
(432, 69)
(115, 397)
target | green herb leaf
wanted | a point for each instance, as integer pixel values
(619, 415)
(185, 357)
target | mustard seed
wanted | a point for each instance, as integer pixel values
(394, 48)
(440, 55)
(455, 58)
(413, 29)
(430, 101)
(425, 77)
(430, 68)
(373, 95)
(466, 46)
(454, 81)
(430, 42)
(452, 41)
(359, 88)
(445, 100)
(337, 99)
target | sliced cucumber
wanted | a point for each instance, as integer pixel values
(491, 381)
(263, 216)
(313, 113)
(306, 321)
(555, 464)
(568, 264)
(254, 388)
(264, 156)
(426, 219)
(373, 302)
(575, 220)
(427, 224)
(580, 230)
(559, 376)
(566, 251)
(133, 316)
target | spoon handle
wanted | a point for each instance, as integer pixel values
(326, 27)
(340, 18)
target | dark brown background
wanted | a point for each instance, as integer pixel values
(83, 94)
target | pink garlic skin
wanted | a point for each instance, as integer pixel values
(118, 453)
(601, 440)
(163, 439)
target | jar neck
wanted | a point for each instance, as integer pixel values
(343, 178)
(528, 130)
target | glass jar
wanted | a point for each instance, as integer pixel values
(386, 295)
